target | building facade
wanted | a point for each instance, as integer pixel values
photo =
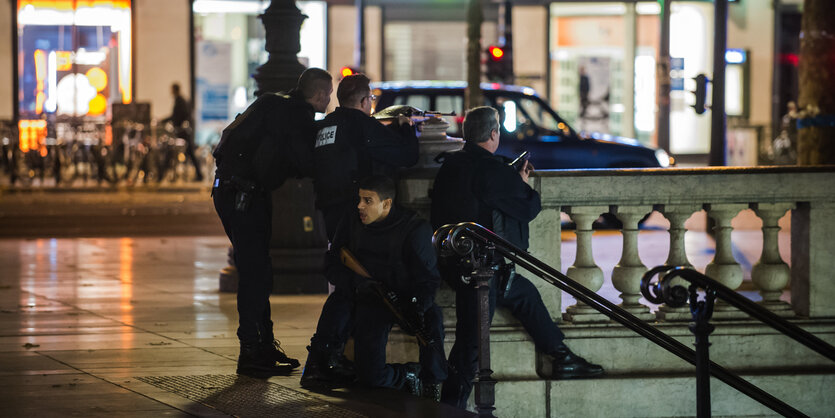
(211, 47)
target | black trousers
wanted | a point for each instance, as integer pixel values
(524, 302)
(336, 319)
(373, 325)
(250, 233)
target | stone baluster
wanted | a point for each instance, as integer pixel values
(677, 215)
(771, 274)
(584, 270)
(626, 277)
(724, 267)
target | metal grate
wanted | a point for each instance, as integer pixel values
(243, 396)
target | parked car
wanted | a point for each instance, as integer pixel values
(527, 124)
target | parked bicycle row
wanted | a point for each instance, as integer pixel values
(90, 153)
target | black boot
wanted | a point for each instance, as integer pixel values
(327, 369)
(412, 379)
(431, 391)
(568, 365)
(278, 354)
(255, 361)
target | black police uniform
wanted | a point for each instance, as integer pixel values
(350, 146)
(474, 185)
(398, 252)
(264, 146)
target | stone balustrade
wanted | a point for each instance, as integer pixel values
(630, 195)
(742, 345)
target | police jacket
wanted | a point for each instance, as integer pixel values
(269, 142)
(474, 185)
(350, 146)
(396, 250)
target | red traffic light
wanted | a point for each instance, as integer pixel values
(496, 53)
(346, 71)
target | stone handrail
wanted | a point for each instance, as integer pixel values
(630, 194)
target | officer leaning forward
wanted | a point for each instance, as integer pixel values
(473, 185)
(264, 146)
(394, 246)
(350, 145)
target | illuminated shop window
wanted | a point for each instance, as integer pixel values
(75, 61)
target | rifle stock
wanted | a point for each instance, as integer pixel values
(389, 298)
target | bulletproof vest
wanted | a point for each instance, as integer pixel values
(337, 164)
(380, 250)
(235, 153)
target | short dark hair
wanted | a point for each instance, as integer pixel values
(382, 185)
(352, 89)
(175, 87)
(314, 80)
(479, 122)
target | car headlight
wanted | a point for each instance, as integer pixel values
(662, 157)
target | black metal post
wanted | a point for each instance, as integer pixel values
(701, 328)
(663, 77)
(718, 145)
(359, 40)
(485, 386)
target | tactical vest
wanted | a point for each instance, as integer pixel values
(381, 250)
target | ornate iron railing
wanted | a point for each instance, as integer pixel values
(473, 242)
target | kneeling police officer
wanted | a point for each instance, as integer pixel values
(394, 245)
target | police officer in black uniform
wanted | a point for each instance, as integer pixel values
(474, 185)
(268, 143)
(349, 145)
(395, 246)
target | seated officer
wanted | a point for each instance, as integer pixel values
(473, 185)
(394, 246)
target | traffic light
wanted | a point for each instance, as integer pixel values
(700, 93)
(498, 65)
(346, 71)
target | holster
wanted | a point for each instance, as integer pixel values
(506, 275)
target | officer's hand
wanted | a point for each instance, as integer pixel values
(405, 120)
(415, 312)
(526, 170)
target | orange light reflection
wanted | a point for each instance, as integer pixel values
(126, 287)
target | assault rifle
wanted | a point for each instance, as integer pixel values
(406, 318)
(392, 113)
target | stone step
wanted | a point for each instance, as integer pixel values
(741, 346)
(659, 396)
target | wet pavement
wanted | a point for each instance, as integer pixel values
(136, 327)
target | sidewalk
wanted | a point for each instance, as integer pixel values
(106, 212)
(136, 327)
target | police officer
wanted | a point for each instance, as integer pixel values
(268, 143)
(350, 145)
(394, 245)
(474, 185)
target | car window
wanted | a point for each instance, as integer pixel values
(420, 101)
(526, 117)
(447, 104)
(540, 116)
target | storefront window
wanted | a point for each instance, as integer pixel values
(75, 62)
(229, 42)
(590, 82)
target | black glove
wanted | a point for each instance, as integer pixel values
(414, 312)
